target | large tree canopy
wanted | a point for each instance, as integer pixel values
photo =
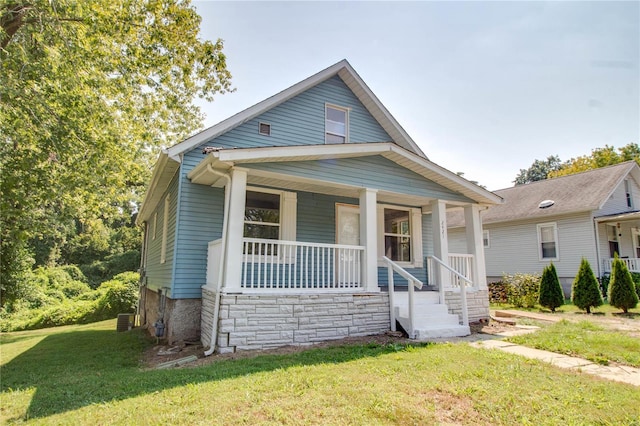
(88, 91)
(599, 157)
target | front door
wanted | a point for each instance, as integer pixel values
(347, 233)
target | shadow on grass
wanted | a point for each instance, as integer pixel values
(76, 369)
(631, 315)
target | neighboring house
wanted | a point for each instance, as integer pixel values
(561, 220)
(269, 228)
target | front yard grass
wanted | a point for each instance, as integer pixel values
(585, 339)
(91, 375)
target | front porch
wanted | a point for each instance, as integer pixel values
(633, 264)
(300, 256)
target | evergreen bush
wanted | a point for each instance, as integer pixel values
(622, 291)
(551, 294)
(584, 292)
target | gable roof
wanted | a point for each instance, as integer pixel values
(342, 69)
(580, 192)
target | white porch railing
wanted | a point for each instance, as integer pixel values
(463, 281)
(461, 266)
(633, 264)
(413, 281)
(276, 264)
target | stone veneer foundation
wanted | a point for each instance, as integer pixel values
(262, 321)
(477, 304)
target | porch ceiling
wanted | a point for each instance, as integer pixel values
(623, 217)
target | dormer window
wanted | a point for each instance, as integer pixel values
(336, 124)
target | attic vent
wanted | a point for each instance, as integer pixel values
(546, 204)
(264, 129)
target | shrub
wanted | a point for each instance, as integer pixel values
(622, 291)
(551, 295)
(522, 289)
(584, 291)
(498, 292)
(103, 270)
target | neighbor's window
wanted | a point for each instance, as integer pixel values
(336, 124)
(485, 239)
(262, 215)
(627, 190)
(397, 235)
(548, 241)
(154, 231)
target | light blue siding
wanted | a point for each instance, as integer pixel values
(159, 275)
(201, 217)
(300, 121)
(371, 172)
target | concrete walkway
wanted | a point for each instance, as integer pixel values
(618, 373)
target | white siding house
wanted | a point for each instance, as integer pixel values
(588, 215)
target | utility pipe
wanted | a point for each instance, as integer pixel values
(216, 306)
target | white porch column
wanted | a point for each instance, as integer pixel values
(440, 239)
(368, 238)
(235, 230)
(475, 245)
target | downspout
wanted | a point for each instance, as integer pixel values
(596, 235)
(216, 306)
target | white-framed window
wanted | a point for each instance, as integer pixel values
(269, 214)
(165, 229)
(486, 242)
(154, 230)
(636, 241)
(627, 191)
(548, 241)
(612, 237)
(400, 230)
(336, 124)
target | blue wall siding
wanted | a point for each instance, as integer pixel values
(300, 120)
(159, 275)
(370, 172)
(201, 217)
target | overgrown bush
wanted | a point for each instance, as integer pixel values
(551, 294)
(622, 289)
(497, 292)
(584, 291)
(102, 270)
(522, 289)
(119, 295)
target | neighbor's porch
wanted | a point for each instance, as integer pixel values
(619, 234)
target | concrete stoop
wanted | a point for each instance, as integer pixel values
(432, 319)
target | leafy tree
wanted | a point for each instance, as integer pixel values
(551, 295)
(88, 91)
(584, 292)
(600, 157)
(622, 292)
(539, 170)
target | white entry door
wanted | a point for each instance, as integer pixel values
(347, 269)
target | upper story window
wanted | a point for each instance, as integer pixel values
(548, 241)
(627, 191)
(336, 124)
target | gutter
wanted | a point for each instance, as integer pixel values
(221, 271)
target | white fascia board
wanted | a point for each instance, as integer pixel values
(293, 153)
(158, 180)
(633, 169)
(486, 197)
(255, 110)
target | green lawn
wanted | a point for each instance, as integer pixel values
(91, 375)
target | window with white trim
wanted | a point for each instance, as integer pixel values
(269, 214)
(400, 230)
(336, 125)
(627, 190)
(165, 229)
(154, 232)
(548, 241)
(486, 242)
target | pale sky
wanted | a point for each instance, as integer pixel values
(483, 88)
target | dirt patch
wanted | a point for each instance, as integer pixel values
(162, 353)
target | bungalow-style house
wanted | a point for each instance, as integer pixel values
(592, 214)
(295, 220)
